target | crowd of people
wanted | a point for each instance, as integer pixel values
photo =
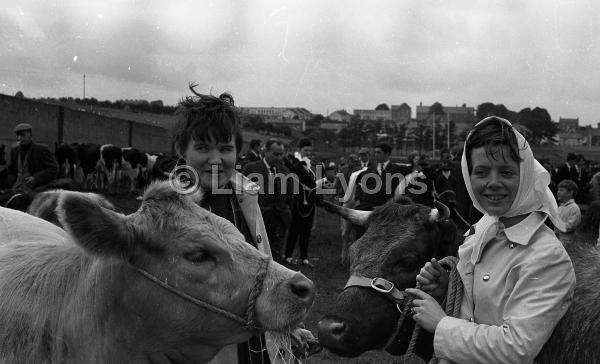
(573, 183)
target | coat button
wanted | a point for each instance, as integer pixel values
(240, 200)
(512, 245)
(470, 319)
(259, 238)
(486, 277)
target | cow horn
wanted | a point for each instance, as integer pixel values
(356, 217)
(444, 211)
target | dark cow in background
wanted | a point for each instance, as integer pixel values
(133, 173)
(79, 162)
(169, 283)
(66, 156)
(103, 167)
(163, 166)
(110, 162)
(399, 240)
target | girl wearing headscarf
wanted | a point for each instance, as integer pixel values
(518, 280)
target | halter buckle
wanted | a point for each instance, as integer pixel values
(382, 285)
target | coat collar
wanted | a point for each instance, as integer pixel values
(243, 185)
(520, 233)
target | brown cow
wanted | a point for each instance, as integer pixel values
(168, 283)
(398, 242)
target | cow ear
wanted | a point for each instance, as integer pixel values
(98, 230)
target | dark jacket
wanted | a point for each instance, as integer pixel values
(42, 165)
(367, 193)
(444, 184)
(564, 172)
(251, 156)
(272, 195)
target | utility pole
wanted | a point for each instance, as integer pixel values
(433, 136)
(84, 86)
(448, 119)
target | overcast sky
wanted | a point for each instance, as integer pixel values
(318, 54)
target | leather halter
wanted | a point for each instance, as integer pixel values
(381, 285)
(387, 288)
(247, 321)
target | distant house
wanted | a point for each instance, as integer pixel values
(568, 125)
(294, 117)
(398, 114)
(340, 115)
(401, 113)
(368, 114)
(463, 116)
(295, 113)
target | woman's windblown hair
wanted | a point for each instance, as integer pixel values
(205, 118)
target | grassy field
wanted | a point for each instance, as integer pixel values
(328, 274)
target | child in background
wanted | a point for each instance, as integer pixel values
(568, 210)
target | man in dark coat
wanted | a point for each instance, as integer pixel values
(32, 165)
(253, 153)
(276, 193)
(376, 184)
(569, 170)
(303, 207)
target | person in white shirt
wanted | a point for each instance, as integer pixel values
(568, 210)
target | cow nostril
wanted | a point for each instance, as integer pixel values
(332, 328)
(303, 288)
(337, 328)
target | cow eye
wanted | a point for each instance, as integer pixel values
(197, 256)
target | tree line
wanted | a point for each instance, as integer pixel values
(536, 124)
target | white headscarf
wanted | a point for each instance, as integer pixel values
(533, 194)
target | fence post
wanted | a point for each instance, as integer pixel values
(130, 133)
(61, 124)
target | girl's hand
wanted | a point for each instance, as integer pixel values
(427, 311)
(434, 279)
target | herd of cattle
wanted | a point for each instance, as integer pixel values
(106, 167)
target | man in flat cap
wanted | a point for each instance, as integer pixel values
(31, 165)
(364, 155)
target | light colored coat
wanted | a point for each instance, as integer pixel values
(516, 289)
(570, 213)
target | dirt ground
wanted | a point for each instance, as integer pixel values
(328, 274)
